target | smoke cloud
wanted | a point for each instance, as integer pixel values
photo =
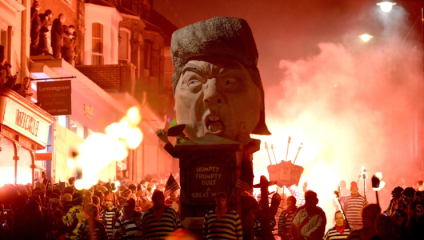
(353, 104)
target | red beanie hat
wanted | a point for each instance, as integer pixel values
(353, 184)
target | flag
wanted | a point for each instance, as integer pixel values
(171, 186)
(245, 187)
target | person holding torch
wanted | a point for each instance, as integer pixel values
(353, 206)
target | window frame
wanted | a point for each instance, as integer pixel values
(128, 59)
(99, 56)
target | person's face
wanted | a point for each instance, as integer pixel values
(71, 30)
(50, 16)
(221, 203)
(217, 96)
(108, 203)
(339, 220)
(354, 190)
(62, 20)
(158, 202)
(290, 202)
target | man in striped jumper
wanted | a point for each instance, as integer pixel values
(222, 223)
(286, 219)
(126, 226)
(159, 221)
(353, 205)
(110, 214)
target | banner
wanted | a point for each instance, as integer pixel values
(55, 97)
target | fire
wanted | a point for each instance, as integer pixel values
(379, 175)
(99, 149)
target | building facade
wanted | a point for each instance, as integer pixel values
(119, 63)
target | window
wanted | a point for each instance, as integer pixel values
(124, 40)
(97, 44)
(147, 55)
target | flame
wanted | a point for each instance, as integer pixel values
(117, 184)
(379, 175)
(99, 149)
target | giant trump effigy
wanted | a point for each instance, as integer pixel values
(219, 99)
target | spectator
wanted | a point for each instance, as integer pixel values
(33, 223)
(92, 228)
(126, 226)
(160, 220)
(340, 231)
(35, 28)
(394, 202)
(384, 229)
(286, 219)
(45, 20)
(220, 218)
(309, 222)
(57, 35)
(353, 205)
(68, 49)
(76, 210)
(369, 216)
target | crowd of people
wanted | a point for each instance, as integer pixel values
(147, 210)
(62, 37)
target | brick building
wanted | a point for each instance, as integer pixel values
(122, 49)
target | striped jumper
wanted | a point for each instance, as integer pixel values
(227, 227)
(333, 234)
(285, 221)
(107, 218)
(352, 208)
(153, 229)
(132, 231)
(96, 233)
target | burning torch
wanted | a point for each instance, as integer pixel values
(377, 184)
(364, 176)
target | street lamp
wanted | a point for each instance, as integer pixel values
(365, 37)
(386, 6)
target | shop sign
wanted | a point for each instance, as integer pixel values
(55, 97)
(24, 121)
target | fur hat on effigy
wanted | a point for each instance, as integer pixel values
(227, 37)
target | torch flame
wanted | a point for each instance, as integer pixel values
(117, 184)
(379, 175)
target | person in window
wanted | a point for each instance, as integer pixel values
(68, 48)
(45, 18)
(35, 28)
(57, 35)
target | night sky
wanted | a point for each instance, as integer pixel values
(285, 29)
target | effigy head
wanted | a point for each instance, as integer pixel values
(216, 82)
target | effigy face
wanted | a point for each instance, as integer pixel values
(217, 85)
(217, 96)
